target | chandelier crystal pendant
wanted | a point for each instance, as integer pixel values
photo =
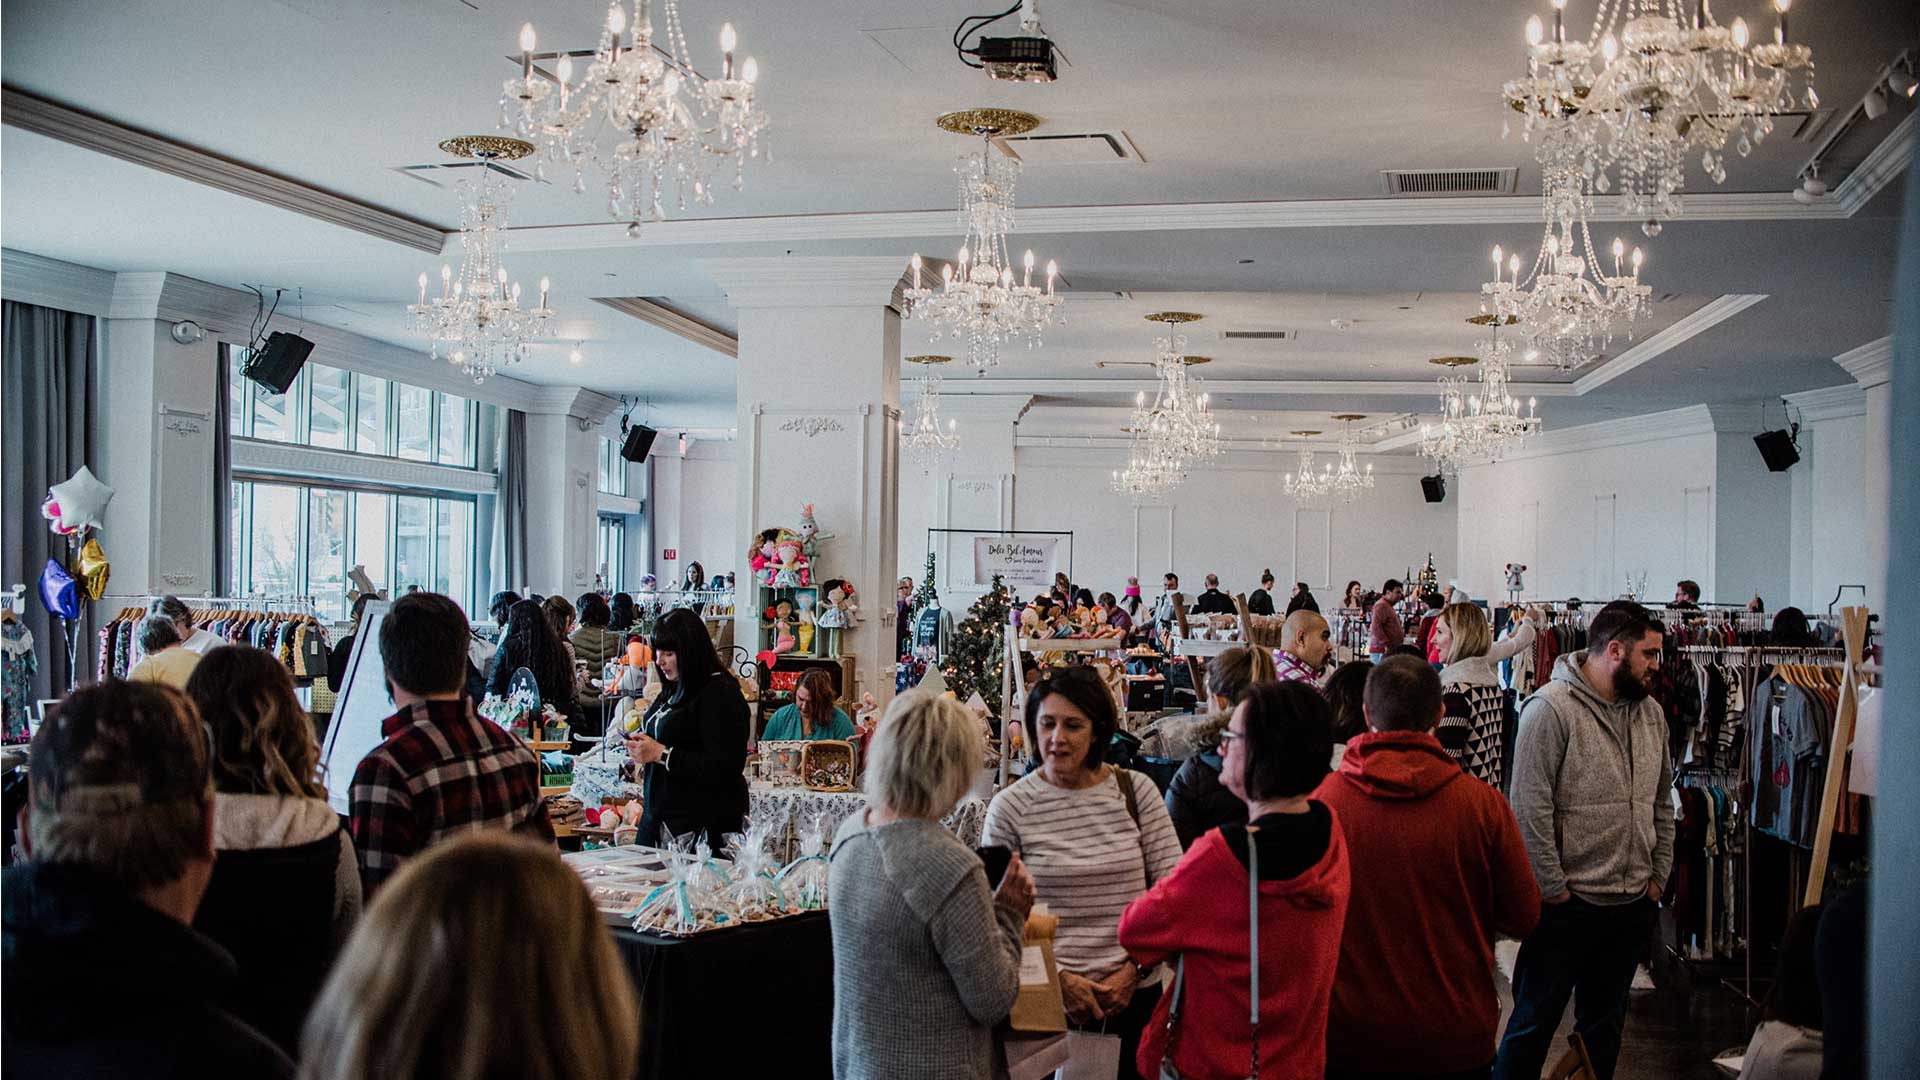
(924, 439)
(982, 298)
(1181, 416)
(1655, 82)
(1303, 483)
(640, 114)
(1567, 306)
(477, 321)
(1480, 421)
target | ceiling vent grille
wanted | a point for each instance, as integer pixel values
(1258, 335)
(443, 174)
(1439, 183)
(1083, 148)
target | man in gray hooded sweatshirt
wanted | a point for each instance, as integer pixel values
(1591, 790)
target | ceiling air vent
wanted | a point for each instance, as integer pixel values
(1086, 148)
(1430, 183)
(1258, 335)
(443, 174)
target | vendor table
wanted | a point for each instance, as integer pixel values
(689, 1029)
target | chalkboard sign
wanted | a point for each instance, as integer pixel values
(926, 629)
(361, 705)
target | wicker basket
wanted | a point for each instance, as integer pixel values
(827, 765)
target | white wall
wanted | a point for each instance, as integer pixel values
(1830, 547)
(1580, 520)
(693, 508)
(1231, 518)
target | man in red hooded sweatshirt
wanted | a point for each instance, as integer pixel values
(1438, 869)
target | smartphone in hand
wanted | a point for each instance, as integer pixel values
(996, 857)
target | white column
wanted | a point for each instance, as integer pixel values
(1871, 365)
(563, 449)
(819, 408)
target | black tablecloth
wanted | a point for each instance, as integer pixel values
(755, 1000)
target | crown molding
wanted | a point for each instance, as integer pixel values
(1738, 418)
(288, 459)
(1870, 364)
(616, 504)
(986, 408)
(1625, 431)
(1709, 315)
(1830, 403)
(1241, 455)
(834, 281)
(657, 314)
(589, 405)
(30, 112)
(54, 283)
(953, 389)
(1887, 161)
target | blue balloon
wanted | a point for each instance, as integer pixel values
(59, 591)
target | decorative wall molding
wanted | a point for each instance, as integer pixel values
(256, 456)
(1830, 403)
(811, 426)
(654, 313)
(30, 112)
(1711, 314)
(35, 279)
(588, 405)
(1625, 431)
(1887, 161)
(1739, 418)
(1870, 364)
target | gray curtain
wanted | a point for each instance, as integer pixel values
(1893, 938)
(49, 386)
(513, 502)
(223, 583)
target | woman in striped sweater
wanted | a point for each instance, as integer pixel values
(1094, 837)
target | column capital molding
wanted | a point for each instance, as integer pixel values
(1870, 364)
(1738, 418)
(782, 282)
(1830, 403)
(589, 405)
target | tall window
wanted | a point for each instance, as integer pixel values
(300, 540)
(610, 553)
(613, 468)
(326, 406)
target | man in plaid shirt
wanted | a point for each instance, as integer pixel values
(1309, 643)
(442, 770)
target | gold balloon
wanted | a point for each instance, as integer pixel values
(92, 569)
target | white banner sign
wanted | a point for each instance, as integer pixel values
(1022, 562)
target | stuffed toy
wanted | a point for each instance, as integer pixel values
(804, 616)
(831, 619)
(810, 534)
(789, 563)
(779, 619)
(760, 554)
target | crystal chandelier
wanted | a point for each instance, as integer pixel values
(1653, 83)
(1567, 315)
(640, 114)
(1147, 475)
(924, 439)
(981, 298)
(1480, 421)
(1347, 480)
(1181, 415)
(477, 321)
(1303, 483)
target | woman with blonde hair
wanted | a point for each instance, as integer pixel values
(413, 996)
(285, 888)
(926, 952)
(1196, 799)
(1473, 728)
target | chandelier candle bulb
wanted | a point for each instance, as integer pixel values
(527, 41)
(1536, 31)
(750, 71)
(728, 39)
(423, 288)
(446, 277)
(543, 293)
(1053, 270)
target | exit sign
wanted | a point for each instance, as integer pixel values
(670, 554)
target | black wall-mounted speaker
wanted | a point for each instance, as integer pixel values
(639, 441)
(1777, 449)
(279, 361)
(1434, 487)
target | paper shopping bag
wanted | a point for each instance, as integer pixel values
(1090, 1056)
(1040, 1008)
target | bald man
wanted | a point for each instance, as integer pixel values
(1309, 643)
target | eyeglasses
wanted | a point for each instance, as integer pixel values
(1228, 735)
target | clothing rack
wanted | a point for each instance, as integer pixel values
(302, 647)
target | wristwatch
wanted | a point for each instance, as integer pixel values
(666, 757)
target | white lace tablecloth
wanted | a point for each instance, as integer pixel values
(796, 804)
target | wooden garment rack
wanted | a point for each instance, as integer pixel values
(1853, 635)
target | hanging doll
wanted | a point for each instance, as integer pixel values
(810, 534)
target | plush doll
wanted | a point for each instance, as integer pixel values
(779, 620)
(810, 534)
(804, 615)
(1030, 625)
(850, 604)
(760, 554)
(789, 569)
(831, 619)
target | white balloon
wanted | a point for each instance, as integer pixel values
(83, 499)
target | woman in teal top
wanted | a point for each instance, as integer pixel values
(812, 715)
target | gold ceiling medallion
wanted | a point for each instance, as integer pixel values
(1304, 434)
(1192, 361)
(1174, 317)
(487, 147)
(1349, 416)
(1492, 320)
(927, 359)
(1454, 361)
(990, 122)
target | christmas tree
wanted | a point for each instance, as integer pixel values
(924, 597)
(1429, 578)
(976, 652)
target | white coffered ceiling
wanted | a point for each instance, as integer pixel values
(1263, 129)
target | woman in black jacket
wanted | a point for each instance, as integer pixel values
(693, 741)
(532, 643)
(1196, 800)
